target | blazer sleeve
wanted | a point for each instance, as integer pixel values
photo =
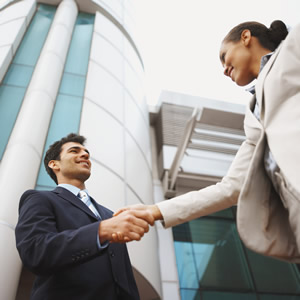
(216, 197)
(43, 249)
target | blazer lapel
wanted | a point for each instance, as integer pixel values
(70, 197)
(103, 211)
(261, 79)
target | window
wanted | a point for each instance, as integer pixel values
(67, 110)
(213, 264)
(17, 78)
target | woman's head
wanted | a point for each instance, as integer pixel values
(245, 44)
(269, 38)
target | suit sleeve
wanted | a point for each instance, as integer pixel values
(43, 249)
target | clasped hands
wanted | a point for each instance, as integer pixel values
(129, 223)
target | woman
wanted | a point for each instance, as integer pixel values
(263, 179)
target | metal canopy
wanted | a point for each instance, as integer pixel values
(193, 131)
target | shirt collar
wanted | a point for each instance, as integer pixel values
(263, 62)
(71, 188)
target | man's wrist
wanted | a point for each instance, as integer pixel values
(103, 233)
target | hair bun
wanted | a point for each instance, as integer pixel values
(278, 31)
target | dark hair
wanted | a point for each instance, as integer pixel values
(54, 151)
(269, 38)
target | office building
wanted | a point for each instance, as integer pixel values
(74, 66)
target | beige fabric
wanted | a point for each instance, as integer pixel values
(261, 218)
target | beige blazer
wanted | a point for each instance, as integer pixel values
(261, 218)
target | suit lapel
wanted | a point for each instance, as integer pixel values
(261, 79)
(70, 197)
(103, 211)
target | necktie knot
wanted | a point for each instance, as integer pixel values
(83, 196)
(86, 200)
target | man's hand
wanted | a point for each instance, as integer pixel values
(151, 211)
(127, 226)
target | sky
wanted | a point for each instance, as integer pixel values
(179, 41)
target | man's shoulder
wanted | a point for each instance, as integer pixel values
(32, 192)
(33, 195)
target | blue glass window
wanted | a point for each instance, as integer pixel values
(213, 263)
(67, 110)
(17, 78)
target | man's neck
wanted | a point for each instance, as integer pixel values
(79, 184)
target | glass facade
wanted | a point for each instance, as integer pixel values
(67, 110)
(17, 78)
(213, 264)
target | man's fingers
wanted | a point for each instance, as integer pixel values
(120, 211)
(114, 237)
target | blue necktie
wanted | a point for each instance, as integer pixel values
(87, 201)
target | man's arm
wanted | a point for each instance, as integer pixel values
(45, 250)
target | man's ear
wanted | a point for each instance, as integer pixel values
(53, 164)
(246, 37)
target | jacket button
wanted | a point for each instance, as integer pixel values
(112, 254)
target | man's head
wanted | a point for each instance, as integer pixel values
(67, 160)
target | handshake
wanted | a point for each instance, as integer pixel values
(129, 223)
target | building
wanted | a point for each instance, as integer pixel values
(74, 66)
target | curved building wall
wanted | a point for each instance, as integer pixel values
(115, 121)
(111, 112)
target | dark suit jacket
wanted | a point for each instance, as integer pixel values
(56, 237)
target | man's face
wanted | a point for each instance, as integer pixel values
(74, 163)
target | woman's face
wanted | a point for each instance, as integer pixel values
(236, 59)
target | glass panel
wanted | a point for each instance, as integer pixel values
(33, 41)
(186, 266)
(18, 76)
(218, 251)
(273, 275)
(10, 102)
(67, 110)
(227, 296)
(189, 294)
(210, 256)
(278, 297)
(78, 56)
(72, 85)
(65, 119)
(226, 213)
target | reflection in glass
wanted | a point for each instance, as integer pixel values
(18, 76)
(213, 264)
(190, 294)
(268, 274)
(227, 296)
(186, 265)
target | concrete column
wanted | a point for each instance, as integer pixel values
(21, 160)
(167, 257)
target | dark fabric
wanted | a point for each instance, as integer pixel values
(56, 237)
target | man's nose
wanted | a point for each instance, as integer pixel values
(85, 154)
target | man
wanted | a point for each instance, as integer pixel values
(66, 241)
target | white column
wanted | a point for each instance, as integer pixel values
(21, 160)
(167, 257)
